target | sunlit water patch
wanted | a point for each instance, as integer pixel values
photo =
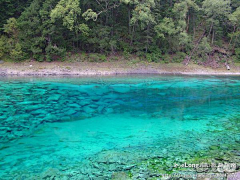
(95, 127)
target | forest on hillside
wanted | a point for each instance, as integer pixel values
(205, 32)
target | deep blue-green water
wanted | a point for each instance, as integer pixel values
(68, 127)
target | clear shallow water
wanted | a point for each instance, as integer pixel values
(61, 122)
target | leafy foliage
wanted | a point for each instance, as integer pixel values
(152, 29)
(204, 49)
(68, 11)
(237, 52)
(9, 45)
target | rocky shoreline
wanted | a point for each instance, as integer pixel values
(33, 68)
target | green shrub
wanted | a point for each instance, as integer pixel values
(166, 58)
(38, 57)
(83, 56)
(140, 54)
(126, 54)
(237, 52)
(179, 57)
(204, 49)
(149, 57)
(153, 57)
(3, 48)
(113, 58)
(54, 52)
(94, 57)
(235, 59)
(102, 57)
(219, 42)
(17, 53)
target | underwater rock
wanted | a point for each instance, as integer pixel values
(112, 167)
(103, 91)
(23, 116)
(51, 173)
(33, 107)
(3, 117)
(70, 112)
(129, 167)
(95, 165)
(109, 110)
(39, 111)
(120, 176)
(11, 119)
(119, 101)
(5, 129)
(85, 102)
(55, 97)
(74, 105)
(100, 109)
(95, 98)
(96, 173)
(88, 109)
(65, 118)
(214, 147)
(109, 97)
(121, 88)
(18, 133)
(50, 118)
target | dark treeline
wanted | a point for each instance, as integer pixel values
(157, 30)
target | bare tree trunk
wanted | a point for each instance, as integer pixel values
(112, 30)
(77, 41)
(210, 29)
(212, 36)
(194, 32)
(132, 34)
(188, 58)
(232, 36)
(235, 42)
(106, 6)
(147, 38)
(129, 20)
(188, 22)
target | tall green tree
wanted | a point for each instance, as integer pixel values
(217, 12)
(11, 8)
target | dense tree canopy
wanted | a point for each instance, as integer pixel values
(153, 29)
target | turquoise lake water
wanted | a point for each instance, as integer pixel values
(67, 127)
